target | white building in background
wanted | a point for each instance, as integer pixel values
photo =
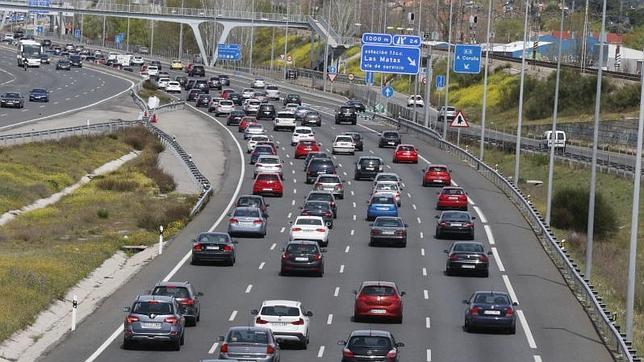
(630, 59)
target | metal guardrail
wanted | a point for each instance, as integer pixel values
(57, 133)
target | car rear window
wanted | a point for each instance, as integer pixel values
(320, 196)
(491, 299)
(317, 205)
(213, 238)
(436, 169)
(406, 148)
(370, 342)
(469, 247)
(152, 307)
(369, 162)
(312, 114)
(344, 139)
(272, 87)
(308, 222)
(226, 103)
(456, 216)
(328, 179)
(387, 222)
(263, 148)
(246, 212)
(303, 131)
(257, 126)
(280, 310)
(248, 336)
(177, 292)
(249, 201)
(378, 290)
(452, 192)
(302, 248)
(382, 200)
(390, 134)
(267, 107)
(387, 187)
(269, 160)
(267, 177)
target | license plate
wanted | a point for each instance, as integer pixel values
(267, 189)
(378, 311)
(468, 266)
(456, 224)
(453, 198)
(278, 324)
(387, 233)
(435, 180)
(382, 208)
(369, 168)
(391, 143)
(301, 259)
(151, 325)
(492, 312)
(212, 248)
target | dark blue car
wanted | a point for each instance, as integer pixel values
(381, 205)
(38, 95)
(260, 150)
(490, 309)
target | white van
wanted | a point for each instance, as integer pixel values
(559, 140)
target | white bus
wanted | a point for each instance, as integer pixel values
(29, 51)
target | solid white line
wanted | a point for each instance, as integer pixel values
(336, 292)
(413, 206)
(526, 330)
(354, 204)
(488, 233)
(508, 286)
(429, 355)
(352, 193)
(428, 323)
(341, 268)
(470, 201)
(292, 202)
(232, 316)
(497, 258)
(409, 195)
(329, 319)
(249, 288)
(282, 229)
(537, 358)
(370, 151)
(424, 272)
(422, 251)
(273, 246)
(454, 183)
(481, 215)
(261, 265)
(321, 352)
(213, 348)
(295, 191)
(105, 344)
(346, 250)
(354, 218)
(344, 173)
(426, 294)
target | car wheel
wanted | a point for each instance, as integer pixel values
(448, 272)
(182, 341)
(356, 318)
(467, 327)
(194, 261)
(232, 261)
(486, 273)
(199, 316)
(404, 244)
(127, 344)
(177, 345)
(512, 329)
(439, 234)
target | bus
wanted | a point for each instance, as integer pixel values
(30, 51)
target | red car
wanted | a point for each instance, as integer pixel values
(405, 153)
(452, 198)
(304, 147)
(437, 175)
(378, 299)
(189, 67)
(245, 122)
(268, 183)
(226, 93)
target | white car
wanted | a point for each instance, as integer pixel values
(224, 107)
(343, 144)
(416, 100)
(163, 82)
(451, 112)
(272, 92)
(284, 120)
(258, 83)
(388, 176)
(268, 164)
(253, 129)
(137, 60)
(302, 134)
(388, 187)
(310, 228)
(153, 70)
(252, 106)
(173, 87)
(247, 93)
(291, 107)
(252, 142)
(286, 319)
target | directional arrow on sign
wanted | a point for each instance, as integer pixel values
(412, 62)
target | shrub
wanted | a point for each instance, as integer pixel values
(570, 211)
(148, 84)
(162, 179)
(625, 98)
(153, 216)
(113, 183)
(103, 213)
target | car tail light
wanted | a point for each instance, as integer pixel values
(454, 257)
(475, 310)
(224, 348)
(338, 187)
(284, 256)
(296, 229)
(317, 257)
(258, 221)
(305, 213)
(346, 353)
(131, 319)
(328, 214)
(509, 311)
(320, 230)
(401, 232)
(391, 355)
(228, 248)
(197, 247)
(186, 301)
(233, 220)
(171, 320)
(259, 320)
(270, 349)
(298, 322)
(317, 186)
(483, 258)
(468, 225)
(375, 232)
(443, 223)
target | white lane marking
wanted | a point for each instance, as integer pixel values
(370, 151)
(481, 215)
(293, 172)
(422, 236)
(428, 323)
(537, 358)
(295, 191)
(292, 202)
(321, 352)
(294, 180)
(339, 164)
(426, 294)
(232, 316)
(249, 288)
(273, 246)
(429, 355)
(403, 184)
(328, 150)
(388, 166)
(497, 258)
(67, 99)
(56, 102)
(470, 201)
(105, 344)
(424, 272)
(418, 219)
(409, 195)
(24, 110)
(282, 229)
(283, 148)
(346, 250)
(352, 232)
(352, 193)
(42, 106)
(341, 268)
(354, 218)
(336, 292)
(354, 204)
(59, 88)
(345, 174)
(488, 233)
(261, 265)
(454, 183)
(289, 215)
(413, 206)
(349, 183)
(213, 348)
(422, 251)
(329, 319)
(288, 156)
(291, 163)
(526, 329)
(76, 96)
(508, 286)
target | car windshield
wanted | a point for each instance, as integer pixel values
(388, 222)
(152, 307)
(254, 103)
(378, 290)
(382, 200)
(308, 222)
(255, 126)
(267, 177)
(213, 238)
(302, 249)
(12, 95)
(248, 335)
(225, 103)
(355, 136)
(371, 342)
(390, 135)
(436, 169)
(328, 179)
(246, 212)
(452, 192)
(491, 298)
(456, 216)
(281, 311)
(172, 291)
(269, 160)
(468, 247)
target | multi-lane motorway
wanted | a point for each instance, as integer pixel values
(552, 326)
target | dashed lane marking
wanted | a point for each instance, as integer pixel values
(233, 315)
(497, 258)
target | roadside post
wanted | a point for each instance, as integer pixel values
(160, 239)
(74, 308)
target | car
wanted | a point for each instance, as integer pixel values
(188, 68)
(260, 149)
(187, 297)
(214, 83)
(291, 108)
(224, 79)
(266, 111)
(312, 118)
(270, 144)
(378, 299)
(490, 309)
(268, 164)
(346, 114)
(173, 87)
(63, 64)
(388, 176)
(45, 58)
(38, 95)
(202, 85)
(235, 98)
(154, 318)
(292, 98)
(272, 92)
(258, 83)
(323, 196)
(358, 105)
(12, 99)
(7, 38)
(253, 201)
(251, 106)
(213, 247)
(225, 93)
(370, 345)
(416, 100)
(437, 175)
(144, 50)
(301, 133)
(381, 204)
(389, 139)
(247, 93)
(224, 107)
(252, 142)
(138, 60)
(311, 155)
(203, 100)
(331, 183)
(245, 121)
(302, 256)
(197, 71)
(343, 144)
(75, 61)
(388, 230)
(176, 64)
(46, 43)
(448, 111)
(260, 96)
(303, 148)
(319, 208)
(452, 197)
(189, 84)
(284, 120)
(319, 166)
(368, 167)
(310, 228)
(246, 220)
(457, 223)
(268, 183)
(467, 257)
(357, 140)
(300, 111)
(388, 187)
(253, 129)
(287, 319)
(234, 118)
(246, 343)
(405, 153)
(193, 94)
(152, 70)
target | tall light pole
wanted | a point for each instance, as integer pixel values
(252, 35)
(584, 39)
(286, 40)
(181, 33)
(449, 55)
(417, 85)
(487, 58)
(127, 42)
(326, 49)
(517, 153)
(553, 131)
(593, 171)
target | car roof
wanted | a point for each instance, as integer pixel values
(309, 218)
(369, 158)
(288, 303)
(454, 212)
(370, 332)
(379, 283)
(158, 298)
(247, 208)
(303, 242)
(185, 284)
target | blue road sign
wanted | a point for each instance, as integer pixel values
(332, 69)
(376, 38)
(368, 78)
(467, 59)
(407, 40)
(37, 3)
(389, 59)
(229, 52)
(77, 33)
(387, 91)
(39, 29)
(440, 81)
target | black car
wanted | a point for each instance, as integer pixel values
(467, 257)
(253, 201)
(198, 71)
(312, 118)
(201, 84)
(236, 98)
(266, 111)
(359, 106)
(63, 64)
(12, 99)
(45, 58)
(357, 140)
(291, 74)
(319, 166)
(213, 247)
(184, 293)
(326, 196)
(235, 117)
(302, 256)
(459, 223)
(490, 309)
(224, 79)
(346, 114)
(193, 94)
(92, 59)
(39, 95)
(293, 98)
(156, 63)
(203, 100)
(388, 230)
(319, 208)
(371, 345)
(389, 139)
(312, 155)
(189, 84)
(75, 61)
(214, 83)
(368, 167)
(46, 43)
(182, 79)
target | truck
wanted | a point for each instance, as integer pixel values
(124, 60)
(29, 52)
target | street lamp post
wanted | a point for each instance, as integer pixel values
(487, 58)
(517, 153)
(286, 41)
(252, 35)
(449, 55)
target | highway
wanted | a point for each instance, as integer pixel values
(552, 326)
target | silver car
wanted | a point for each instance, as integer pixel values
(331, 183)
(268, 164)
(255, 344)
(247, 220)
(253, 130)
